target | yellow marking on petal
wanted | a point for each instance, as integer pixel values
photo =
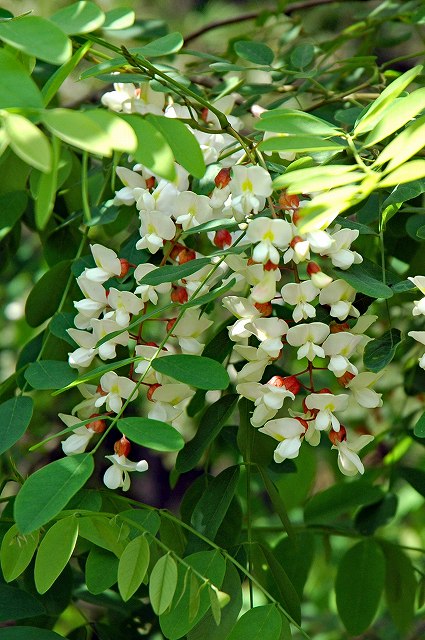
(247, 185)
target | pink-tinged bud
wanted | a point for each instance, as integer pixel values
(277, 381)
(186, 255)
(222, 178)
(150, 182)
(270, 266)
(339, 327)
(170, 324)
(122, 447)
(98, 426)
(179, 294)
(312, 267)
(288, 202)
(204, 114)
(222, 239)
(151, 391)
(338, 436)
(265, 308)
(125, 266)
(345, 379)
(295, 241)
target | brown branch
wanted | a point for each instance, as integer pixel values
(291, 8)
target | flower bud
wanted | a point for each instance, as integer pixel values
(289, 382)
(98, 426)
(222, 239)
(265, 308)
(122, 447)
(151, 391)
(176, 250)
(125, 266)
(186, 255)
(338, 327)
(346, 378)
(204, 114)
(288, 202)
(150, 182)
(222, 178)
(179, 294)
(338, 436)
(170, 324)
(318, 278)
(270, 266)
(294, 241)
(303, 423)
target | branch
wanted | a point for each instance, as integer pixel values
(291, 8)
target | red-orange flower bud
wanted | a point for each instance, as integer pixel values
(222, 239)
(186, 255)
(150, 182)
(313, 267)
(294, 241)
(288, 202)
(346, 378)
(222, 178)
(338, 436)
(151, 391)
(338, 327)
(265, 308)
(170, 324)
(270, 266)
(125, 266)
(122, 447)
(98, 426)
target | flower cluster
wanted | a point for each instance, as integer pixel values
(297, 333)
(419, 310)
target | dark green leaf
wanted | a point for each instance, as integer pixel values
(379, 352)
(256, 52)
(210, 426)
(50, 374)
(17, 89)
(12, 206)
(15, 416)
(366, 278)
(419, 430)
(153, 434)
(359, 585)
(173, 273)
(37, 37)
(17, 552)
(44, 299)
(302, 55)
(260, 623)
(101, 570)
(296, 555)
(274, 577)
(405, 192)
(415, 477)
(165, 46)
(329, 504)
(375, 515)
(16, 604)
(400, 586)
(197, 371)
(80, 17)
(153, 151)
(27, 633)
(143, 520)
(299, 144)
(183, 143)
(60, 323)
(46, 492)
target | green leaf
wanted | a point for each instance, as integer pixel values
(405, 192)
(214, 503)
(173, 273)
(374, 113)
(413, 170)
(299, 144)
(165, 46)
(212, 225)
(273, 576)
(296, 555)
(46, 492)
(208, 297)
(75, 128)
(260, 623)
(101, 570)
(60, 323)
(297, 123)
(380, 351)
(256, 52)
(120, 134)
(210, 426)
(327, 505)
(400, 586)
(50, 374)
(119, 18)
(37, 37)
(17, 552)
(80, 17)
(175, 622)
(397, 115)
(104, 532)
(419, 429)
(45, 297)
(153, 434)
(15, 416)
(366, 278)
(16, 604)
(46, 189)
(183, 143)
(12, 206)
(415, 477)
(132, 567)
(359, 585)
(317, 178)
(56, 80)
(153, 151)
(375, 515)
(28, 142)
(17, 89)
(162, 584)
(54, 552)
(403, 147)
(148, 520)
(197, 371)
(302, 55)
(25, 633)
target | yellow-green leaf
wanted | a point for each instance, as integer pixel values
(132, 567)
(28, 142)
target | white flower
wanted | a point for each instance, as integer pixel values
(419, 308)
(339, 295)
(118, 475)
(308, 337)
(191, 327)
(339, 347)
(361, 385)
(161, 200)
(289, 432)
(148, 352)
(154, 229)
(257, 361)
(269, 331)
(250, 186)
(349, 462)
(121, 98)
(107, 263)
(339, 252)
(81, 436)
(265, 289)
(191, 209)
(94, 303)
(269, 234)
(245, 312)
(300, 294)
(170, 401)
(125, 304)
(149, 292)
(131, 180)
(326, 403)
(115, 388)
(268, 399)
